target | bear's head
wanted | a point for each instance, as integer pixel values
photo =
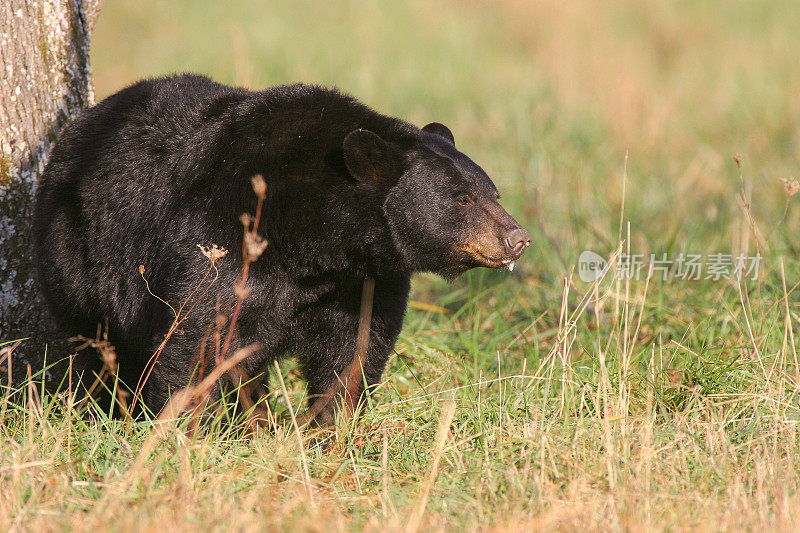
(441, 208)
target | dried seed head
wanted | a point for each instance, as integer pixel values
(259, 186)
(214, 253)
(141, 269)
(791, 186)
(738, 159)
(255, 245)
(245, 218)
(240, 291)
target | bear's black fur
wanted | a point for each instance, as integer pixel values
(149, 173)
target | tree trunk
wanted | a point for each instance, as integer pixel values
(44, 58)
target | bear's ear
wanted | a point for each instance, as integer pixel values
(441, 130)
(367, 156)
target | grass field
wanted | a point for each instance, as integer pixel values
(515, 401)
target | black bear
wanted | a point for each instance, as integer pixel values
(166, 164)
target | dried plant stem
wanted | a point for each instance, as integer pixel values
(5, 355)
(789, 327)
(188, 397)
(180, 317)
(446, 417)
(250, 252)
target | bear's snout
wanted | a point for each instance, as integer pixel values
(516, 241)
(500, 240)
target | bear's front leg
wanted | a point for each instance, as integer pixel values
(343, 352)
(342, 386)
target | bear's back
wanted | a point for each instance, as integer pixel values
(165, 164)
(104, 201)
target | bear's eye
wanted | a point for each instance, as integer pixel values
(466, 199)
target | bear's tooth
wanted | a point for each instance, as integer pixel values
(511, 266)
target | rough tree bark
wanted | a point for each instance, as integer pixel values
(46, 79)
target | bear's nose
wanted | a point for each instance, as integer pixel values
(517, 240)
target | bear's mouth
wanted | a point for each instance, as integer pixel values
(497, 263)
(479, 258)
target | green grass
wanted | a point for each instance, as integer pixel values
(668, 405)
